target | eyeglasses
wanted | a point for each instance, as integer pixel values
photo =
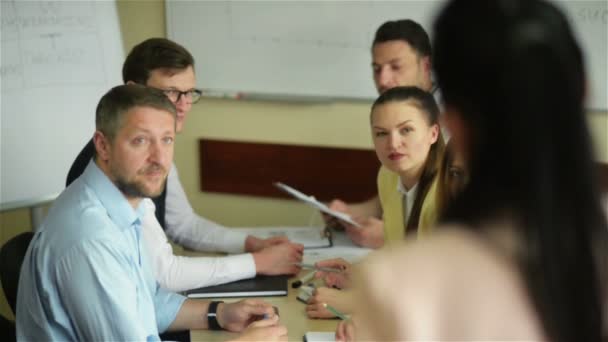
(192, 95)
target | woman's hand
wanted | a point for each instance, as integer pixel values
(323, 295)
(339, 279)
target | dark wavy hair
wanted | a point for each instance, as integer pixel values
(514, 73)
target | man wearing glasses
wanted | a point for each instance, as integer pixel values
(163, 64)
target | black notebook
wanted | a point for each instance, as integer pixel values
(260, 286)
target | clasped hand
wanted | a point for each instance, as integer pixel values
(255, 318)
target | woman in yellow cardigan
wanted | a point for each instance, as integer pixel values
(408, 143)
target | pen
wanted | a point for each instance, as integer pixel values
(276, 312)
(313, 267)
(303, 280)
(335, 311)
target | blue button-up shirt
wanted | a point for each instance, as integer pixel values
(86, 275)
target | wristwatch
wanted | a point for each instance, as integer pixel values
(212, 316)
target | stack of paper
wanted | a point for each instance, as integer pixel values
(348, 253)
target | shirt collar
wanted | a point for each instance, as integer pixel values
(115, 203)
(402, 190)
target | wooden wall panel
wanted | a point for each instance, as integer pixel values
(252, 168)
(326, 172)
(603, 176)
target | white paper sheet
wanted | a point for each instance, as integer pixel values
(310, 237)
(320, 336)
(311, 200)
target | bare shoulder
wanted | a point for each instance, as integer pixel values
(450, 285)
(448, 253)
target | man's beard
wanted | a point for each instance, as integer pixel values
(137, 189)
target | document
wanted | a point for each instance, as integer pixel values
(320, 336)
(310, 237)
(342, 247)
(350, 254)
(312, 201)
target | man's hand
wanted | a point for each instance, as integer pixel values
(279, 259)
(339, 280)
(370, 234)
(237, 316)
(324, 295)
(254, 244)
(264, 330)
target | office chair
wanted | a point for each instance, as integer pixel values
(11, 258)
(7, 329)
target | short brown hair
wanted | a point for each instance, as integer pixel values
(119, 100)
(152, 54)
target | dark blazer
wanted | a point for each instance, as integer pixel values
(81, 163)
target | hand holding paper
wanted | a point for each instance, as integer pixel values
(311, 200)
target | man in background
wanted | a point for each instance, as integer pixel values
(163, 64)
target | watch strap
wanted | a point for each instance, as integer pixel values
(212, 316)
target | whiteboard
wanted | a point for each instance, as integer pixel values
(590, 22)
(58, 59)
(322, 48)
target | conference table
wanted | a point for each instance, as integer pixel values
(292, 312)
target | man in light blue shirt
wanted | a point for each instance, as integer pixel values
(86, 275)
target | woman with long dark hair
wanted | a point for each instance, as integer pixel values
(522, 251)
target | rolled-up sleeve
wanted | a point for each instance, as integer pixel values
(167, 306)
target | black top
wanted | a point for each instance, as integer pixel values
(81, 163)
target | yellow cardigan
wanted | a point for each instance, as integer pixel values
(392, 209)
